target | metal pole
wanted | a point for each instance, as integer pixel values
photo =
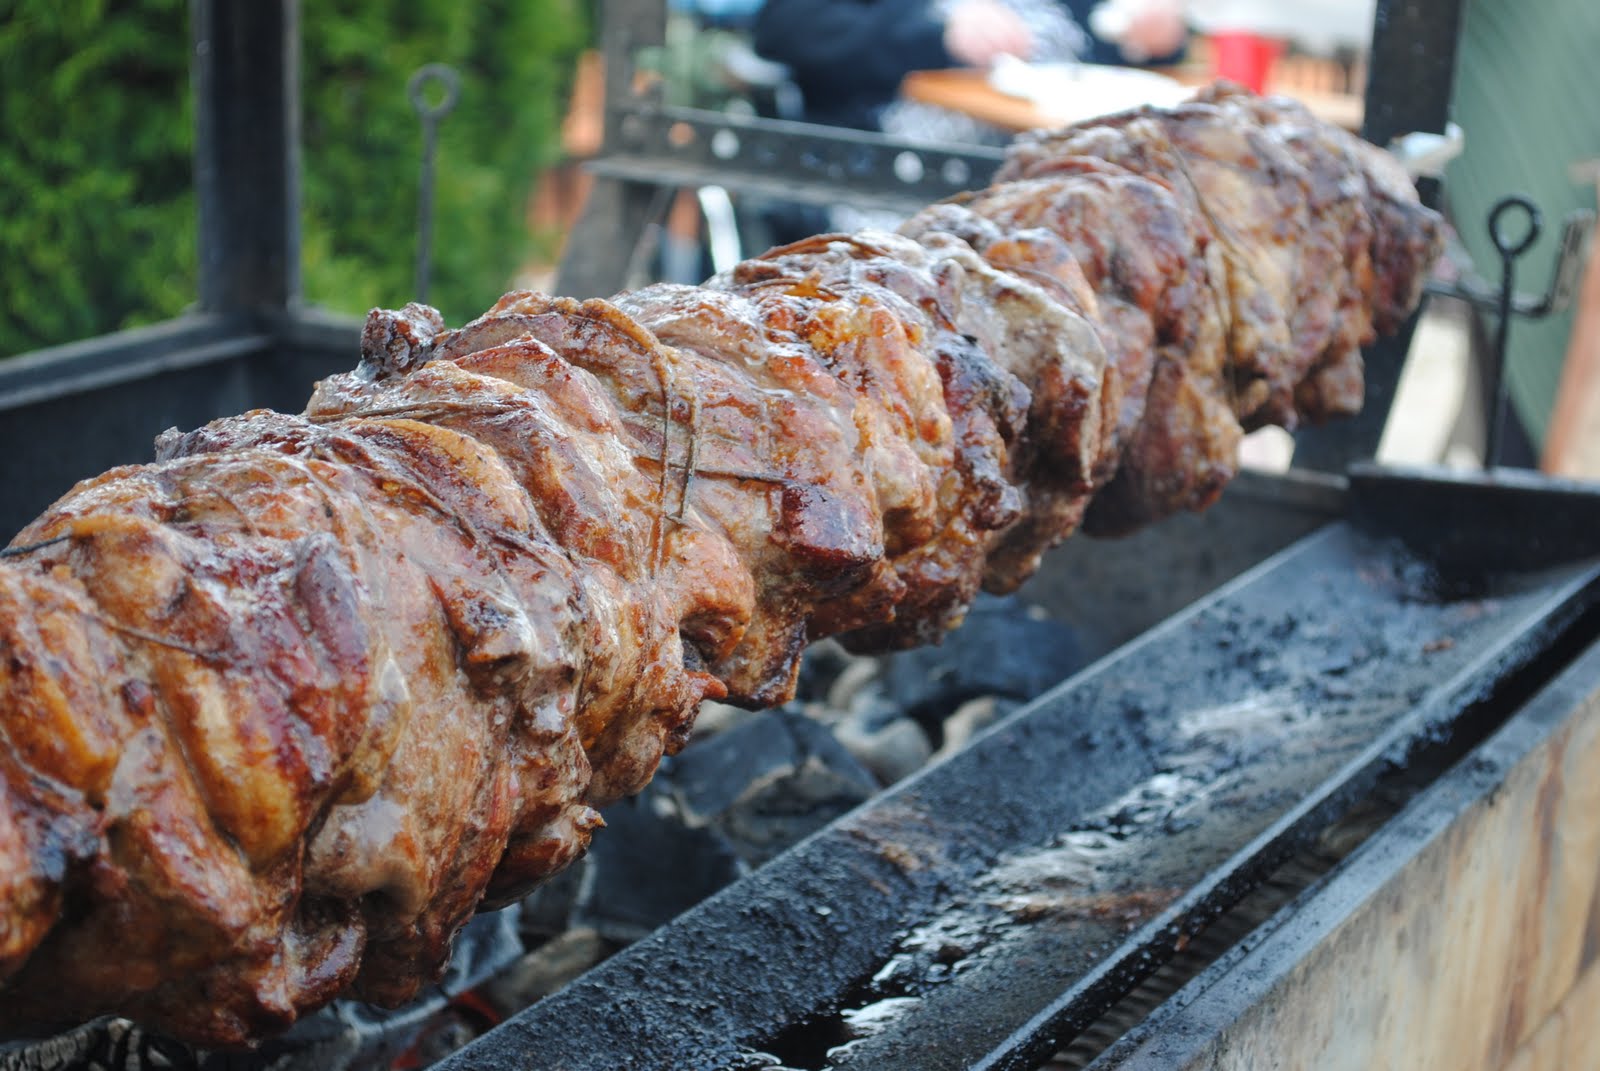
(611, 232)
(1510, 246)
(1412, 72)
(429, 114)
(247, 153)
(628, 27)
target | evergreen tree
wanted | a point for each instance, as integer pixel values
(97, 210)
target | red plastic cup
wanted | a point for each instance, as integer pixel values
(1245, 58)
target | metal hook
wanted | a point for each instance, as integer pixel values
(1497, 231)
(1510, 250)
(1571, 256)
(429, 115)
(1504, 302)
(417, 90)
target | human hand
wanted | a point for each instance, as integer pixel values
(1156, 30)
(978, 32)
(1141, 28)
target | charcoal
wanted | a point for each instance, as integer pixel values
(891, 748)
(545, 969)
(714, 718)
(547, 911)
(95, 1046)
(870, 711)
(1004, 649)
(863, 676)
(345, 1036)
(715, 777)
(730, 801)
(768, 783)
(349, 1035)
(971, 718)
(650, 866)
(821, 665)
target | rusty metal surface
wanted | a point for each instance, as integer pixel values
(979, 913)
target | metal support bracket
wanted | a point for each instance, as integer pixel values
(247, 153)
(1412, 64)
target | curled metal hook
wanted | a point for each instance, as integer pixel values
(1534, 221)
(1514, 224)
(1510, 249)
(429, 114)
(417, 90)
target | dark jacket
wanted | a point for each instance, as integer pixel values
(849, 56)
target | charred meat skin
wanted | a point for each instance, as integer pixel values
(282, 709)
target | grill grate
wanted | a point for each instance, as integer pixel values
(1225, 934)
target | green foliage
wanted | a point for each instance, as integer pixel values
(97, 224)
(363, 144)
(97, 216)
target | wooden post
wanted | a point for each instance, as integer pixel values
(1572, 447)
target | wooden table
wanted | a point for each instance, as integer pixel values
(969, 92)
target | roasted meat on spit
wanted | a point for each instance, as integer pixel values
(283, 708)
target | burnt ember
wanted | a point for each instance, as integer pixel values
(1006, 651)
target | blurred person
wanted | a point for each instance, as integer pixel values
(1248, 36)
(725, 14)
(848, 57)
(1136, 32)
